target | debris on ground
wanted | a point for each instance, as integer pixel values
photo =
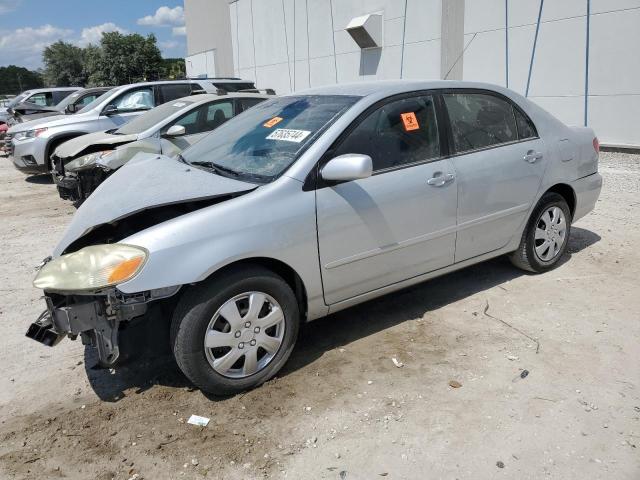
(454, 384)
(396, 362)
(198, 420)
(500, 464)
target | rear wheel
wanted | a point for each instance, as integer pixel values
(545, 239)
(235, 332)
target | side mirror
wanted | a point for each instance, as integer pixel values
(345, 168)
(71, 108)
(110, 110)
(175, 131)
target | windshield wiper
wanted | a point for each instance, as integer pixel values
(215, 167)
(226, 171)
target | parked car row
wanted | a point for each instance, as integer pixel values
(32, 143)
(302, 206)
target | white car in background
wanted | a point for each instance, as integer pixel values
(32, 143)
(83, 163)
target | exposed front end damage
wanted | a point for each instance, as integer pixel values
(97, 319)
(82, 280)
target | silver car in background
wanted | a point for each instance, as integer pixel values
(83, 163)
(32, 143)
(308, 204)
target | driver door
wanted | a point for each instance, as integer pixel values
(400, 222)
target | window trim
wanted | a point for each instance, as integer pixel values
(314, 180)
(453, 152)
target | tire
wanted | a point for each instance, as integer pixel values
(541, 260)
(198, 315)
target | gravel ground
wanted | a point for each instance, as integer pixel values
(341, 409)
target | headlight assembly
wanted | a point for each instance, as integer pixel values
(35, 133)
(87, 161)
(91, 268)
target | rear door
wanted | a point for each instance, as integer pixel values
(398, 223)
(499, 162)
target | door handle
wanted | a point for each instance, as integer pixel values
(438, 179)
(532, 156)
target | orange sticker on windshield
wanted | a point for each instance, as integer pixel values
(410, 121)
(272, 122)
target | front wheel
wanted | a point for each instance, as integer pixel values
(236, 331)
(546, 236)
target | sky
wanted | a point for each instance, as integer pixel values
(27, 26)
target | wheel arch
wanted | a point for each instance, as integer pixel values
(55, 142)
(288, 274)
(567, 192)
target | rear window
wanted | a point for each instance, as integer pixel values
(480, 120)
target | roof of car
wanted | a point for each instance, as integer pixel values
(52, 89)
(390, 87)
(208, 97)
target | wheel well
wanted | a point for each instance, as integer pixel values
(287, 273)
(55, 143)
(567, 192)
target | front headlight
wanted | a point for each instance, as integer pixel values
(91, 268)
(35, 133)
(86, 161)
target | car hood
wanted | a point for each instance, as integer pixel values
(148, 181)
(55, 121)
(75, 146)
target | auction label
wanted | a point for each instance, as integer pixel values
(288, 135)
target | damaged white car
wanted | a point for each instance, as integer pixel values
(308, 204)
(83, 163)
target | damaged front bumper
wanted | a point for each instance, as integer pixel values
(95, 318)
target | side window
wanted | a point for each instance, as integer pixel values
(43, 99)
(217, 114)
(247, 103)
(480, 120)
(140, 99)
(172, 91)
(525, 126)
(204, 118)
(86, 100)
(398, 133)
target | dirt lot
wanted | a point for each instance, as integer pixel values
(342, 409)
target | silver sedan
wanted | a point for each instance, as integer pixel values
(308, 204)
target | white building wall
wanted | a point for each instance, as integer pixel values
(291, 45)
(558, 72)
(303, 43)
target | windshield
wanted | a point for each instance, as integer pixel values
(16, 100)
(97, 101)
(151, 118)
(266, 139)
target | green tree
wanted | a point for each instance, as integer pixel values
(63, 65)
(127, 59)
(14, 80)
(92, 55)
(173, 68)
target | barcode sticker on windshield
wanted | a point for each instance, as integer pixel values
(288, 135)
